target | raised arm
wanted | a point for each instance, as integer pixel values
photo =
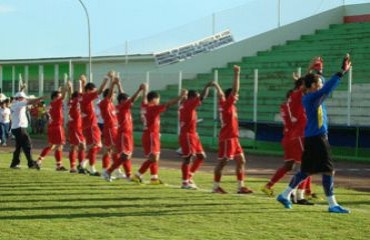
(35, 100)
(174, 101)
(102, 86)
(136, 95)
(204, 93)
(82, 83)
(236, 84)
(219, 91)
(70, 89)
(119, 84)
(145, 92)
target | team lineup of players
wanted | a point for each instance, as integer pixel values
(118, 144)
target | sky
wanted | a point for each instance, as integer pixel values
(58, 28)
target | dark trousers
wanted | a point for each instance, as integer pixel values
(22, 141)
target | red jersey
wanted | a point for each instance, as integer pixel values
(74, 114)
(56, 112)
(228, 118)
(286, 117)
(125, 117)
(87, 108)
(108, 113)
(150, 116)
(188, 115)
(298, 115)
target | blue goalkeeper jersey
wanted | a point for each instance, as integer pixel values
(317, 119)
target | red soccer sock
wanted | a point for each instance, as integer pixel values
(308, 185)
(81, 156)
(154, 168)
(44, 152)
(92, 155)
(196, 165)
(117, 161)
(144, 167)
(279, 174)
(72, 159)
(240, 176)
(58, 157)
(185, 169)
(127, 166)
(302, 185)
(106, 161)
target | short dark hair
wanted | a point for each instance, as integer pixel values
(192, 93)
(54, 94)
(90, 86)
(74, 94)
(106, 92)
(122, 97)
(228, 92)
(298, 83)
(152, 95)
(309, 79)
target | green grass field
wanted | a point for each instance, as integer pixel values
(53, 205)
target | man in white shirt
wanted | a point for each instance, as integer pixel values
(19, 130)
(4, 121)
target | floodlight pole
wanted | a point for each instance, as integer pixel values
(89, 38)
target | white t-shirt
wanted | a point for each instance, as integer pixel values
(18, 112)
(4, 115)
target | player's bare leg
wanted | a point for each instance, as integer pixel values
(196, 164)
(240, 174)
(185, 170)
(218, 174)
(43, 153)
(279, 174)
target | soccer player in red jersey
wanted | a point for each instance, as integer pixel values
(108, 113)
(75, 136)
(229, 146)
(56, 135)
(150, 115)
(125, 141)
(191, 147)
(90, 127)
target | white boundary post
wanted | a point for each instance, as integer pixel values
(180, 87)
(349, 97)
(26, 75)
(20, 81)
(41, 80)
(147, 79)
(255, 95)
(56, 76)
(13, 80)
(215, 110)
(70, 70)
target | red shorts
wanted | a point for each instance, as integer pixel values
(293, 149)
(125, 143)
(110, 136)
(75, 136)
(151, 143)
(229, 148)
(56, 135)
(92, 135)
(190, 144)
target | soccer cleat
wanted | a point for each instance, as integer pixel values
(15, 167)
(286, 203)
(73, 170)
(219, 190)
(136, 179)
(34, 165)
(106, 176)
(119, 175)
(95, 174)
(156, 181)
(61, 169)
(82, 170)
(188, 186)
(244, 190)
(293, 198)
(268, 191)
(304, 202)
(338, 209)
(313, 196)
